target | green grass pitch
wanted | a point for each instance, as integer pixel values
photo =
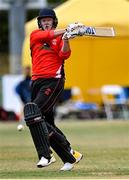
(104, 144)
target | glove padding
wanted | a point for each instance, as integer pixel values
(74, 26)
(73, 30)
(68, 35)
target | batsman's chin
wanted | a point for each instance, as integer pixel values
(47, 28)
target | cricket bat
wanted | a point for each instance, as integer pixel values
(100, 31)
(91, 31)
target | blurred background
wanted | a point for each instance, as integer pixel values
(94, 108)
(97, 73)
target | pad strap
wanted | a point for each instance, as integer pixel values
(32, 114)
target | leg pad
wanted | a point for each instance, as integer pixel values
(38, 129)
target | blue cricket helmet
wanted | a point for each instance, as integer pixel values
(46, 12)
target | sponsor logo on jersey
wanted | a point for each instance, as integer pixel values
(54, 41)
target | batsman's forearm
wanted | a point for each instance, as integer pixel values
(59, 32)
(66, 46)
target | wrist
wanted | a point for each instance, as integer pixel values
(66, 40)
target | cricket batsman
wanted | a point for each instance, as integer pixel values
(49, 50)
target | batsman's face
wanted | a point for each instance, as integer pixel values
(47, 23)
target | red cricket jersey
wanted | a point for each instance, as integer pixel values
(47, 57)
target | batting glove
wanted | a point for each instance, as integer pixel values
(74, 26)
(68, 35)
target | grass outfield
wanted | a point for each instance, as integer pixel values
(104, 144)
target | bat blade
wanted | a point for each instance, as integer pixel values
(100, 31)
